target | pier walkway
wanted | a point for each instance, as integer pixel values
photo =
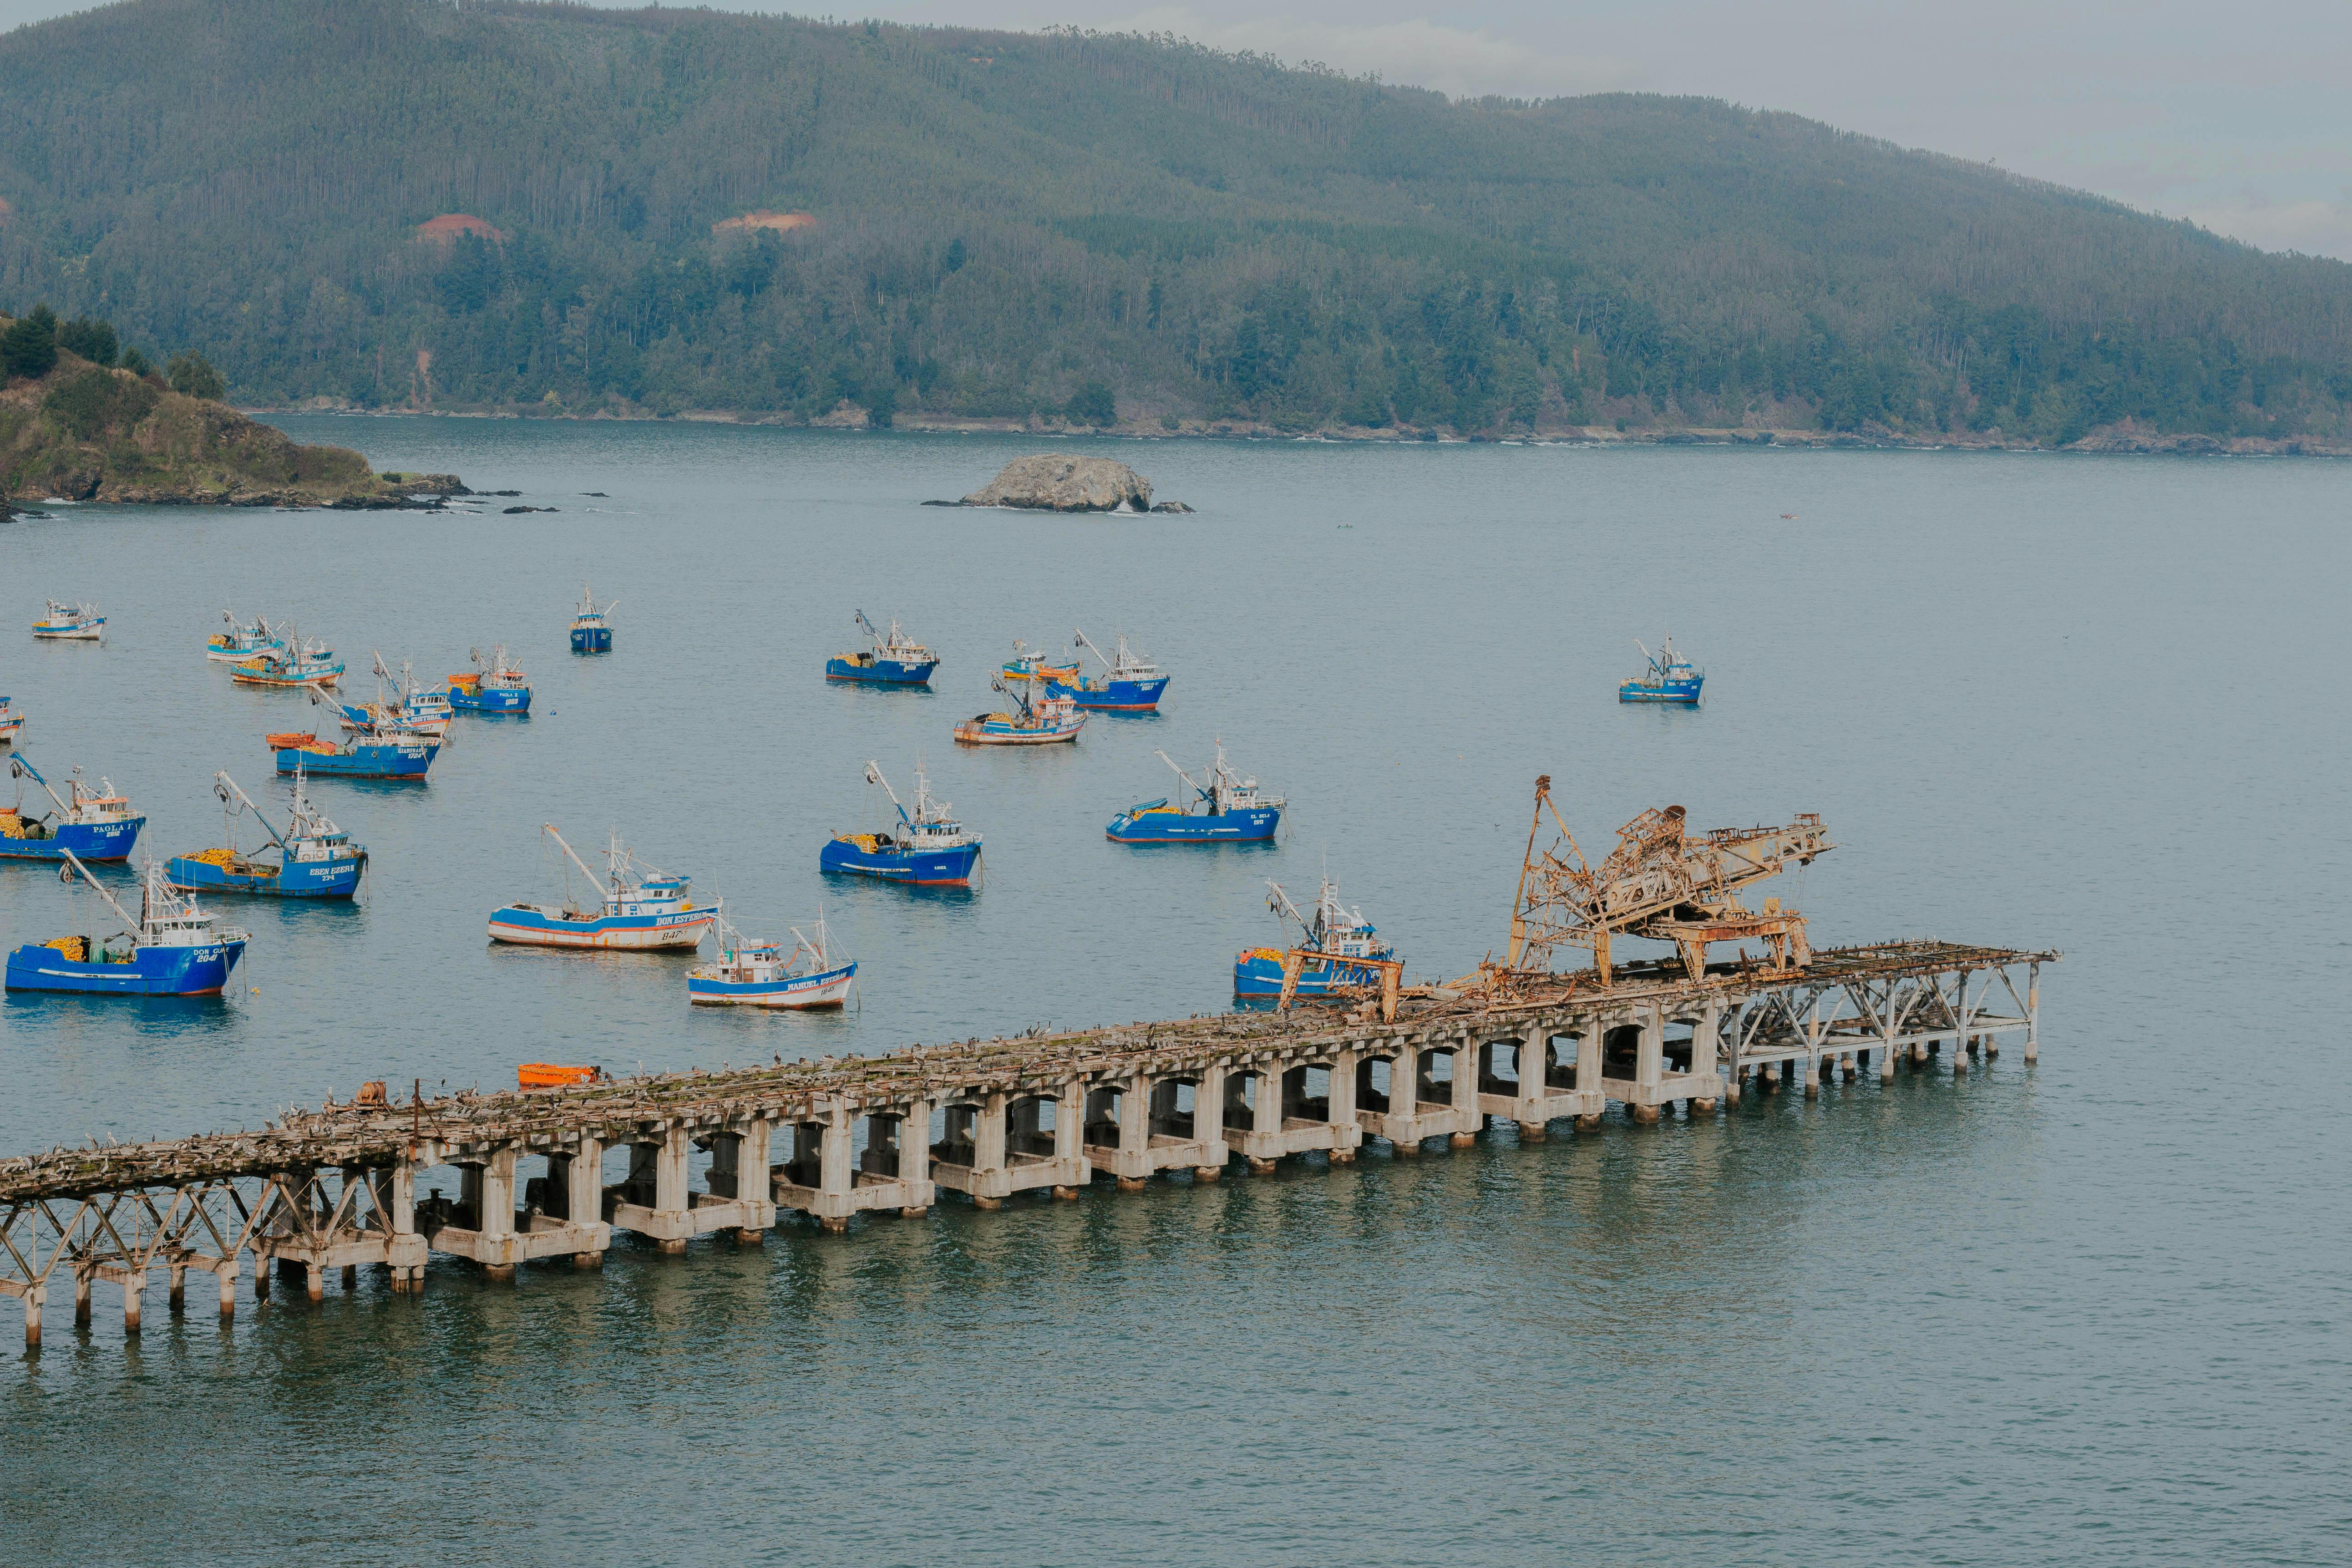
(337, 1189)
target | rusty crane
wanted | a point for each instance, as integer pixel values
(1660, 882)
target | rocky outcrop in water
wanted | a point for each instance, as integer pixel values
(1049, 482)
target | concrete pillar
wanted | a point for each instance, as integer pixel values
(1959, 1056)
(1265, 1116)
(34, 1299)
(1343, 1100)
(1707, 1045)
(1466, 1096)
(836, 1177)
(1588, 1056)
(1886, 1064)
(988, 1133)
(134, 1285)
(1134, 1129)
(178, 1298)
(1650, 1055)
(314, 1282)
(495, 1212)
(2032, 1012)
(1209, 1122)
(260, 1277)
(1814, 1075)
(915, 1148)
(670, 1165)
(82, 1298)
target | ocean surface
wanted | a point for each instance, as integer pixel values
(2089, 1312)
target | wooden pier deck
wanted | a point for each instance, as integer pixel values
(339, 1188)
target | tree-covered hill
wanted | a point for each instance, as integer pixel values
(1077, 227)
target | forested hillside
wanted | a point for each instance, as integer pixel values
(1077, 227)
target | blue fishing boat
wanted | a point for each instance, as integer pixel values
(1129, 683)
(591, 630)
(11, 721)
(762, 974)
(316, 860)
(1230, 810)
(371, 755)
(930, 848)
(173, 949)
(637, 907)
(70, 623)
(96, 824)
(894, 659)
(244, 640)
(494, 685)
(399, 709)
(1334, 929)
(293, 663)
(1670, 677)
(1036, 720)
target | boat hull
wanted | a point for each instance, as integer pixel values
(881, 671)
(90, 841)
(515, 699)
(978, 732)
(301, 879)
(373, 760)
(1685, 691)
(152, 971)
(1259, 974)
(1112, 696)
(919, 867)
(592, 639)
(1255, 826)
(535, 928)
(88, 632)
(830, 989)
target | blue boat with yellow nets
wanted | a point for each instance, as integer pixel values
(1224, 809)
(316, 860)
(1670, 677)
(894, 659)
(928, 849)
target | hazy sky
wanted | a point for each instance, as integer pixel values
(2238, 117)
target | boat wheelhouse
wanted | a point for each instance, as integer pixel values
(894, 659)
(930, 848)
(638, 907)
(11, 721)
(765, 974)
(1221, 808)
(1129, 683)
(70, 623)
(94, 824)
(1670, 677)
(316, 860)
(1034, 721)
(492, 686)
(591, 628)
(173, 949)
(1333, 930)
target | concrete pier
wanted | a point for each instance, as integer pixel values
(830, 1140)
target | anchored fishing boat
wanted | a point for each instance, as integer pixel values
(1129, 683)
(95, 825)
(1334, 929)
(494, 685)
(293, 662)
(1040, 722)
(11, 721)
(592, 631)
(369, 754)
(243, 640)
(894, 659)
(1232, 810)
(761, 974)
(1670, 677)
(70, 623)
(316, 860)
(173, 949)
(399, 709)
(641, 907)
(1032, 663)
(930, 849)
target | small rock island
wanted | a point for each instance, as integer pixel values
(1050, 482)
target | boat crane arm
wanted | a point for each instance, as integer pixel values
(225, 786)
(22, 768)
(874, 776)
(594, 880)
(65, 874)
(1087, 643)
(1181, 773)
(1279, 902)
(868, 626)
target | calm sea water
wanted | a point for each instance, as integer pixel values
(2092, 1312)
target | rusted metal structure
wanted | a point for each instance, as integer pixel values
(556, 1173)
(1658, 882)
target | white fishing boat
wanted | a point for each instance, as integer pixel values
(763, 974)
